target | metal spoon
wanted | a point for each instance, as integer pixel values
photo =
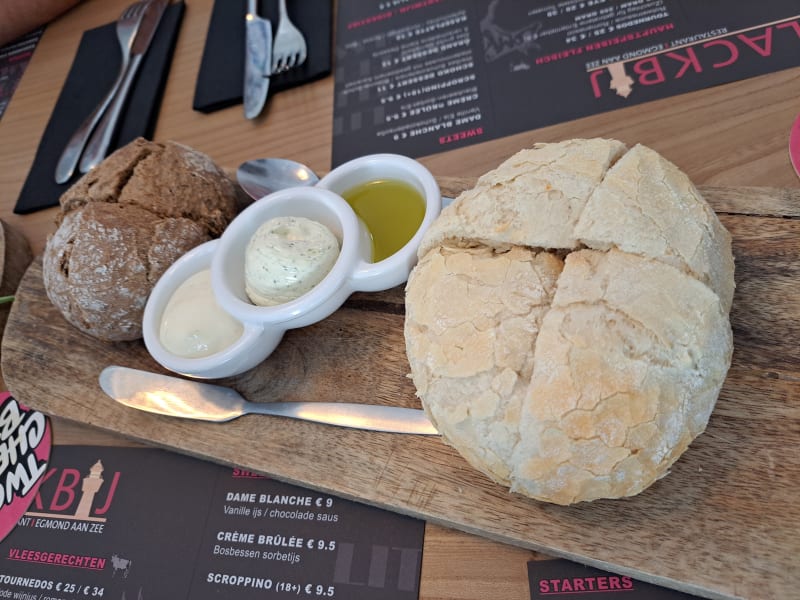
(263, 176)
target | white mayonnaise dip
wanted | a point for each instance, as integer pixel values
(286, 257)
(193, 325)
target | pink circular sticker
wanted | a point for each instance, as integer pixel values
(25, 444)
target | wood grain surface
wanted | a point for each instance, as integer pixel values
(722, 524)
(15, 257)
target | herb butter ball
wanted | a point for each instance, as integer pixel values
(287, 257)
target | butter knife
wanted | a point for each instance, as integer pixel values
(100, 141)
(176, 397)
(257, 60)
(127, 27)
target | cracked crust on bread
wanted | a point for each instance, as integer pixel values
(534, 198)
(613, 361)
(625, 377)
(479, 350)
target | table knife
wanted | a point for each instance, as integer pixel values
(126, 28)
(177, 397)
(257, 61)
(794, 145)
(100, 141)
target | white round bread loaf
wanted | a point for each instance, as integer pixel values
(567, 323)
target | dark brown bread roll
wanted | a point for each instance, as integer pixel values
(123, 224)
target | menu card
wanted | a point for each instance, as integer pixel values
(14, 58)
(141, 523)
(418, 77)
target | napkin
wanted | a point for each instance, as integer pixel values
(91, 75)
(221, 77)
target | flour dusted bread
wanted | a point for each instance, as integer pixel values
(167, 179)
(534, 198)
(628, 365)
(123, 224)
(647, 206)
(581, 365)
(481, 312)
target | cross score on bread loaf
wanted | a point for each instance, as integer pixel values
(567, 323)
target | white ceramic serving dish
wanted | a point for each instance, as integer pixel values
(252, 347)
(353, 270)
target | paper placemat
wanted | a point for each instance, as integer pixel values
(14, 59)
(417, 78)
(115, 523)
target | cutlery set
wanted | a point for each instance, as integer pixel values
(88, 146)
(265, 57)
(135, 29)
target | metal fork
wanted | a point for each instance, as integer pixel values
(289, 47)
(127, 27)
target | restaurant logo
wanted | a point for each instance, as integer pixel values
(25, 443)
(670, 61)
(71, 496)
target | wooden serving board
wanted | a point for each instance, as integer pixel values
(724, 523)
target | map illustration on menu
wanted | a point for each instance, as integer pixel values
(417, 77)
(140, 523)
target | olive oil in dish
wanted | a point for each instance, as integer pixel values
(391, 209)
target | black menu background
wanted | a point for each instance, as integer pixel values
(157, 517)
(418, 77)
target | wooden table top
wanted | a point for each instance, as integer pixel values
(730, 135)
